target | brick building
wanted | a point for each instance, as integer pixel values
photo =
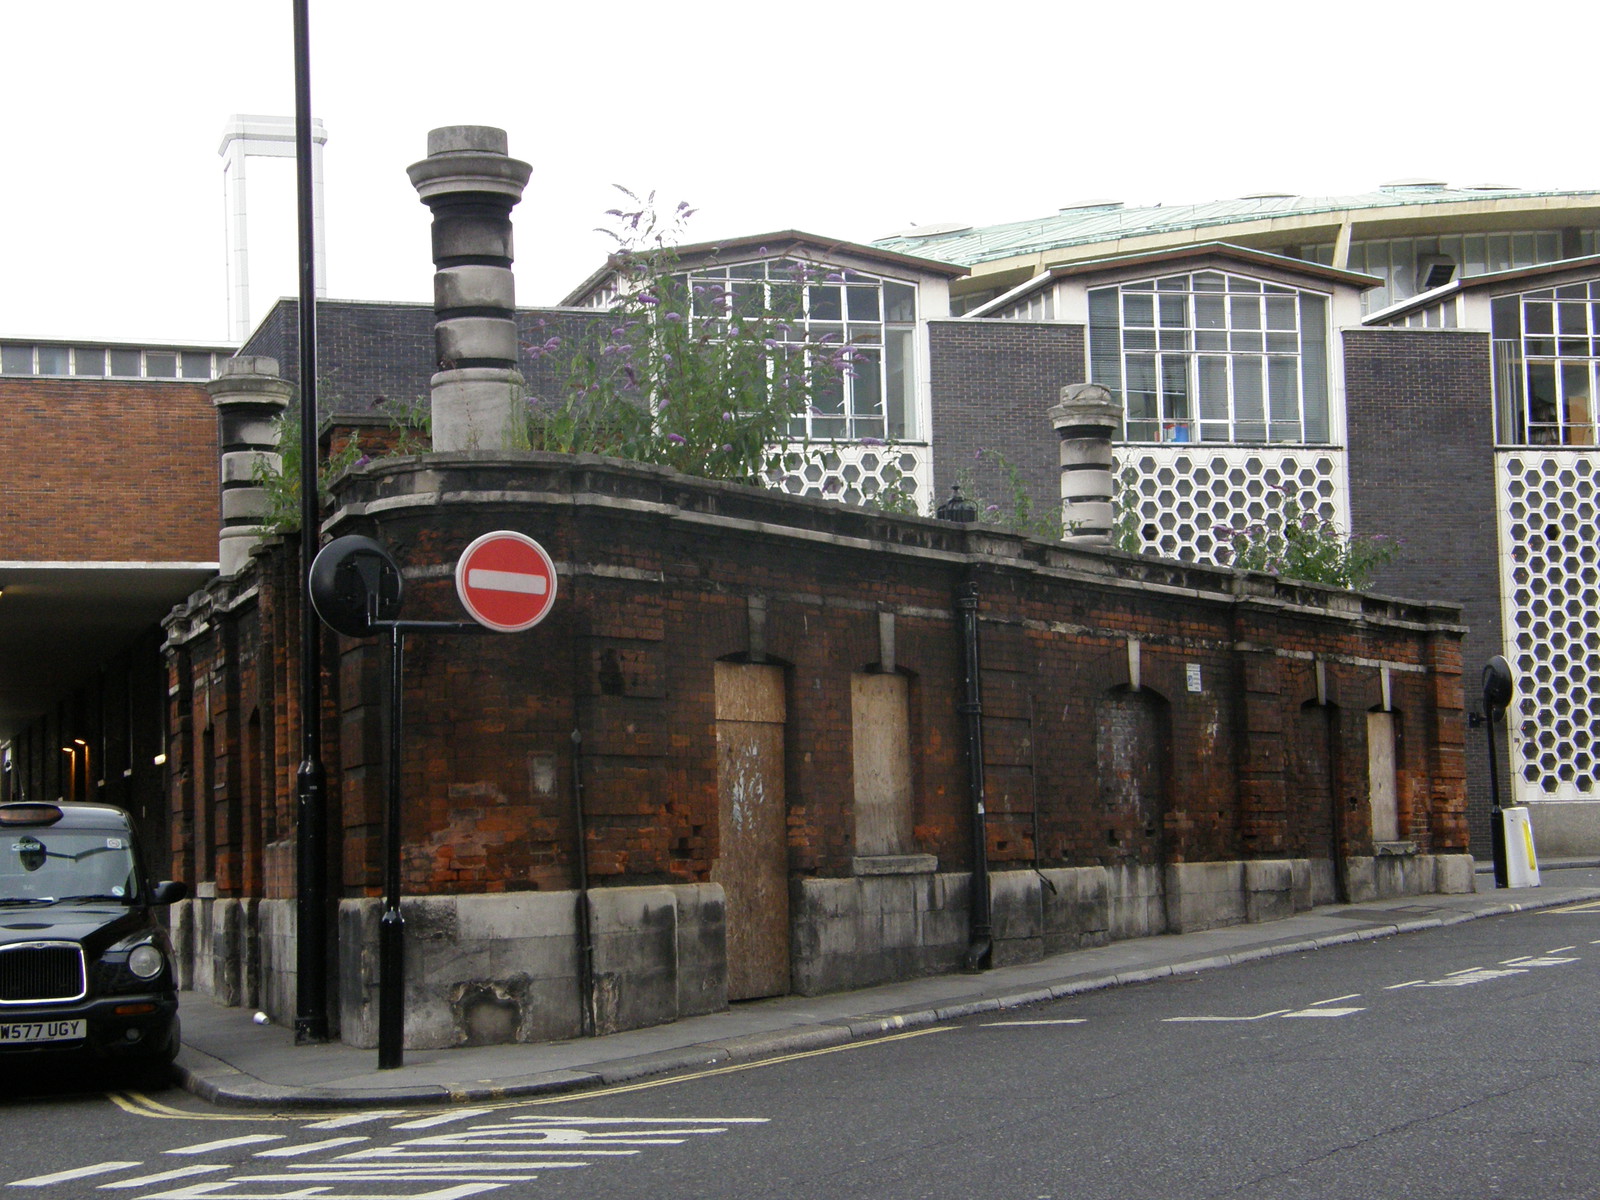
(1458, 420)
(736, 754)
(109, 516)
(767, 743)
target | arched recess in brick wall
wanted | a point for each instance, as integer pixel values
(254, 830)
(752, 862)
(1133, 757)
(1310, 796)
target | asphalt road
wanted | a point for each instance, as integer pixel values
(1459, 1062)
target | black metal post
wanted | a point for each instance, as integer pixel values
(392, 928)
(1497, 816)
(981, 935)
(311, 931)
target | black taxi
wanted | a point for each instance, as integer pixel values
(85, 968)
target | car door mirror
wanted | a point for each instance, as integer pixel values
(169, 892)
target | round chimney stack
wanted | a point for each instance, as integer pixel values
(471, 185)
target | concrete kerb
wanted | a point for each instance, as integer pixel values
(216, 1082)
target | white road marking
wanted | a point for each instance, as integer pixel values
(1011, 1024)
(104, 1168)
(1408, 983)
(1335, 999)
(428, 1122)
(163, 1176)
(1561, 949)
(209, 1191)
(246, 1139)
(1472, 975)
(1324, 1012)
(1277, 1012)
(360, 1118)
(309, 1147)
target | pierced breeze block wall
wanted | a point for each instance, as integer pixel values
(1174, 745)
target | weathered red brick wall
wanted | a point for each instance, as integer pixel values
(105, 471)
(661, 577)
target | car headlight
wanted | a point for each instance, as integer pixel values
(146, 961)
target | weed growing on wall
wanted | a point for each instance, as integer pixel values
(1298, 544)
(1014, 510)
(282, 486)
(699, 376)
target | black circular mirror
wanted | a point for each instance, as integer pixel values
(1497, 686)
(354, 581)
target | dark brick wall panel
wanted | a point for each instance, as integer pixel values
(1421, 443)
(993, 384)
(370, 353)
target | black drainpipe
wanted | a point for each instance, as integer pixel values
(980, 944)
(586, 1014)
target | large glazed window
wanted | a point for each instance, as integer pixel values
(873, 316)
(1546, 353)
(1213, 357)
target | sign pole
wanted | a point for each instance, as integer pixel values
(392, 928)
(507, 582)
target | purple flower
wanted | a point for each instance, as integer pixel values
(872, 441)
(992, 508)
(363, 460)
(649, 298)
(672, 316)
(727, 416)
(727, 448)
(835, 277)
(675, 439)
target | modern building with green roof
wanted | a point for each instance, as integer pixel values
(1412, 233)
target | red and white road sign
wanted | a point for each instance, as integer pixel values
(506, 581)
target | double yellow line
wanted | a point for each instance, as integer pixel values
(141, 1105)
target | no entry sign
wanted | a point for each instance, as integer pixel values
(506, 581)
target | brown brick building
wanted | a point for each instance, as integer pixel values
(745, 729)
(108, 517)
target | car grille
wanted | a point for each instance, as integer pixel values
(41, 971)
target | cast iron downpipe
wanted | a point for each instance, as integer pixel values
(586, 1011)
(980, 940)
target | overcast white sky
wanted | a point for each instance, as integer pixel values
(850, 120)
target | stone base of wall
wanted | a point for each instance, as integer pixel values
(488, 969)
(1565, 828)
(482, 970)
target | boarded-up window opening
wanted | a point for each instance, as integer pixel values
(1382, 792)
(880, 722)
(752, 863)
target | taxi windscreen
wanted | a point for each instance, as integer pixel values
(47, 866)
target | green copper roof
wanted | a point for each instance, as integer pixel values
(1109, 221)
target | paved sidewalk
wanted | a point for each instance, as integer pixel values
(228, 1059)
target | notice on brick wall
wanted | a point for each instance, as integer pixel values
(1192, 673)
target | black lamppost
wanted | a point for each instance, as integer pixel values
(1497, 691)
(311, 941)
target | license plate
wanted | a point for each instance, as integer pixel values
(12, 1032)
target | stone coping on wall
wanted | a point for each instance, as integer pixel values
(502, 478)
